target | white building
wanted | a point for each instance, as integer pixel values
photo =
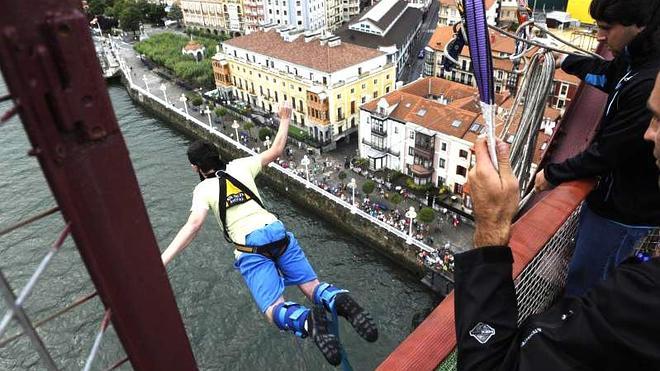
(426, 130)
(448, 12)
(391, 26)
(309, 15)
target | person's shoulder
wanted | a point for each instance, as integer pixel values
(244, 163)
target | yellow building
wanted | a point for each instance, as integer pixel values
(579, 9)
(325, 80)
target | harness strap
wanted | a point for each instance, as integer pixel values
(222, 202)
(272, 250)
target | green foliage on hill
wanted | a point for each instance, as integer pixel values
(164, 49)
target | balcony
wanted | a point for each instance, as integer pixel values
(378, 131)
(424, 152)
(421, 171)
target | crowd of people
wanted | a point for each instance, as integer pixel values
(438, 259)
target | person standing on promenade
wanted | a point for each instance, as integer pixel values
(267, 255)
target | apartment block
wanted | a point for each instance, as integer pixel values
(504, 78)
(218, 16)
(391, 26)
(325, 79)
(426, 130)
(448, 12)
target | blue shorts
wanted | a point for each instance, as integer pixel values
(266, 278)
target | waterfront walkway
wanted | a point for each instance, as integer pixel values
(447, 231)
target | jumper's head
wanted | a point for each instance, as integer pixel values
(204, 158)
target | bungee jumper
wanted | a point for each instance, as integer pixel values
(268, 256)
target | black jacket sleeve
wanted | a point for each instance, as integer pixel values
(595, 72)
(619, 136)
(484, 299)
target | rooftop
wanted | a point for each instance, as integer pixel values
(309, 54)
(396, 35)
(460, 117)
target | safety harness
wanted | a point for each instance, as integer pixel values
(272, 250)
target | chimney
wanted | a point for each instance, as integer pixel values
(333, 42)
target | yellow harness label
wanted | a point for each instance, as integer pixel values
(235, 196)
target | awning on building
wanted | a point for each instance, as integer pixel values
(374, 153)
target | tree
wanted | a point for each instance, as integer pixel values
(130, 17)
(220, 112)
(426, 215)
(154, 13)
(175, 13)
(264, 132)
(96, 7)
(396, 199)
(341, 175)
(197, 101)
(368, 186)
(247, 126)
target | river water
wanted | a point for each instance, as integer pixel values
(224, 326)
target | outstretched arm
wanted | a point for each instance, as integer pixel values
(279, 142)
(185, 236)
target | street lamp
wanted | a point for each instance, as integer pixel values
(305, 162)
(352, 184)
(146, 82)
(163, 88)
(411, 214)
(235, 127)
(208, 114)
(184, 99)
(267, 142)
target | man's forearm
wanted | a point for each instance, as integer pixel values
(282, 133)
(180, 242)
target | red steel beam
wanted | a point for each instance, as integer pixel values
(49, 63)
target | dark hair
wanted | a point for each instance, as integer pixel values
(624, 12)
(205, 156)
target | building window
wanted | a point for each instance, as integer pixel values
(412, 134)
(387, 89)
(375, 94)
(460, 170)
(443, 146)
(364, 86)
(410, 151)
(441, 163)
(463, 154)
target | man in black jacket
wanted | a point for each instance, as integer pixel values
(613, 327)
(626, 202)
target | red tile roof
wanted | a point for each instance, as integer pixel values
(463, 105)
(309, 54)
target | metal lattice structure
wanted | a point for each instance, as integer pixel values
(539, 285)
(56, 86)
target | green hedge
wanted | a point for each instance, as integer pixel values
(299, 134)
(164, 49)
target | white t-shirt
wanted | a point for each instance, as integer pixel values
(242, 218)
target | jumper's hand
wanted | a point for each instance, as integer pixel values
(285, 111)
(495, 196)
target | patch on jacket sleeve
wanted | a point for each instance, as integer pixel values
(482, 332)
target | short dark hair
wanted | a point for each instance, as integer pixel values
(205, 155)
(624, 12)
